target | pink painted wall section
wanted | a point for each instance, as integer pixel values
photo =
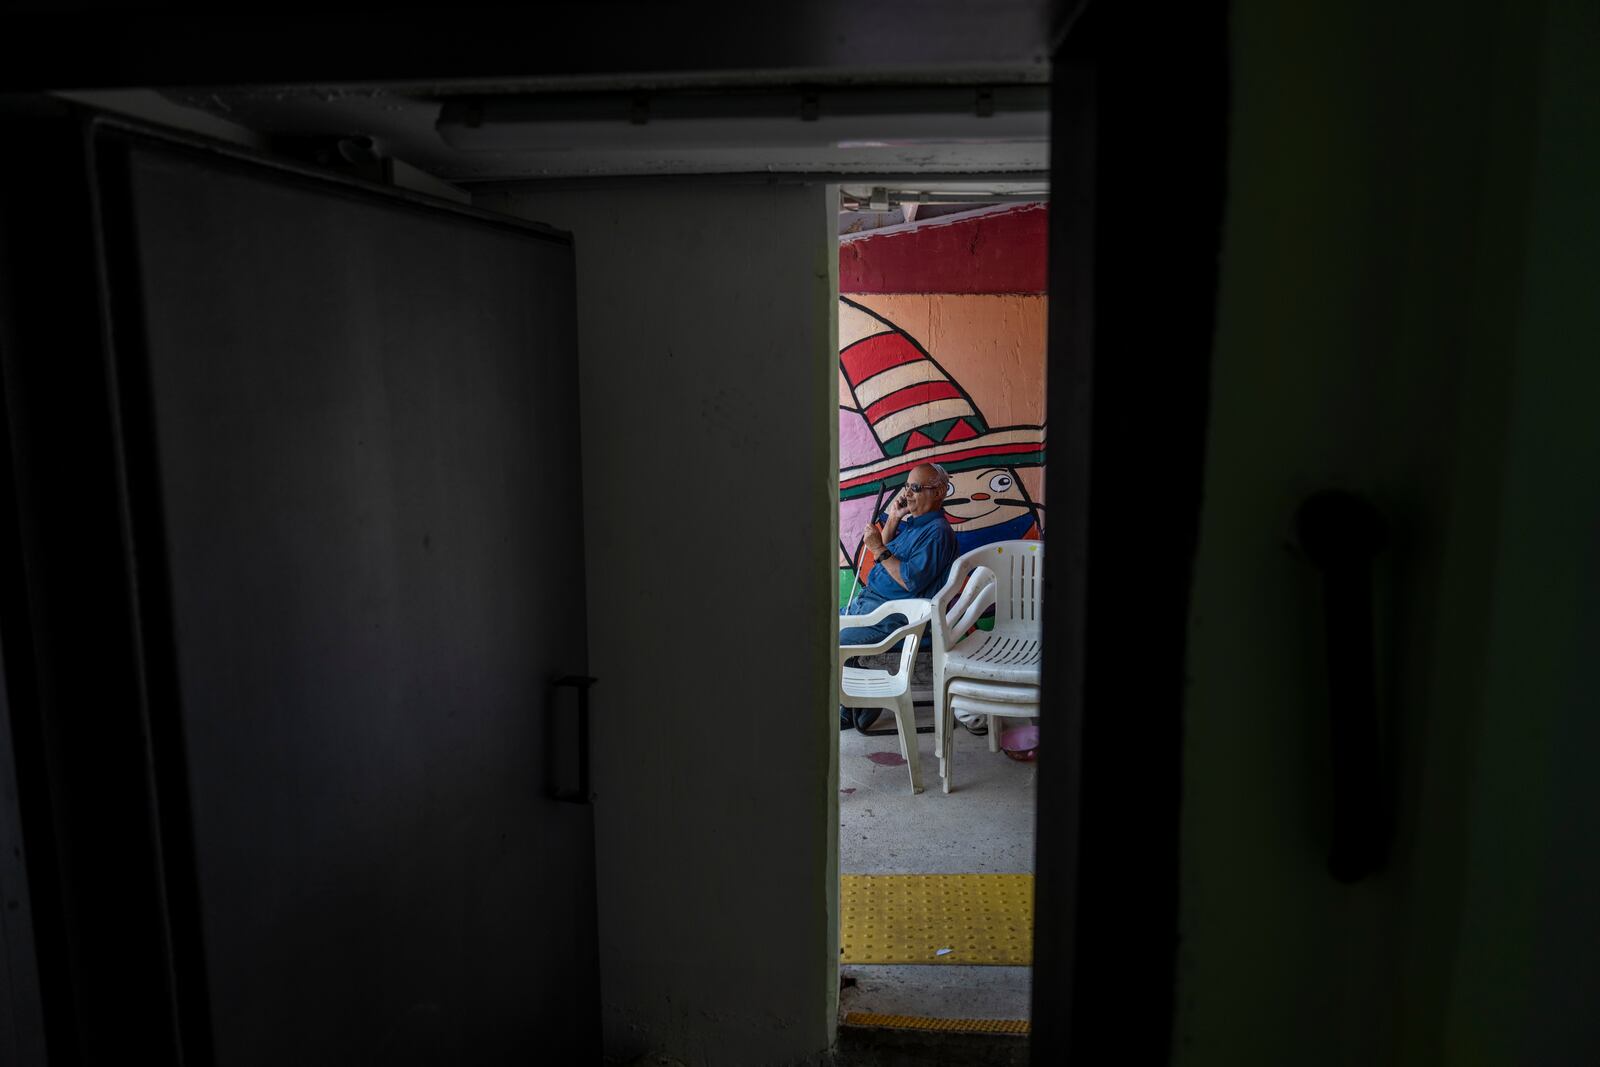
(952, 373)
(998, 250)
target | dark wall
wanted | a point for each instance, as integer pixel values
(1401, 314)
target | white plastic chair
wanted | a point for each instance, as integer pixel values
(861, 687)
(994, 672)
(994, 701)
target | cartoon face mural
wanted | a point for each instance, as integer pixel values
(900, 405)
(992, 500)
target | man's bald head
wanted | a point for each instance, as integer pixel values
(928, 485)
(930, 474)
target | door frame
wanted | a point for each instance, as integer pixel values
(1139, 114)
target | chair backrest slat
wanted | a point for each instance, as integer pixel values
(1021, 563)
(1007, 574)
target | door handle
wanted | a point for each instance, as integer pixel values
(583, 794)
(1342, 534)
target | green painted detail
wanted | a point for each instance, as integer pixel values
(937, 430)
(846, 580)
(896, 445)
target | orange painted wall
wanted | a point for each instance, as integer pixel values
(994, 345)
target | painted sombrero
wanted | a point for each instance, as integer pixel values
(913, 410)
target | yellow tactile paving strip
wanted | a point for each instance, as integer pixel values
(910, 918)
(943, 1026)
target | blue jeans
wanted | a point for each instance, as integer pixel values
(865, 604)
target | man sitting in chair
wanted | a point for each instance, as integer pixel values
(914, 552)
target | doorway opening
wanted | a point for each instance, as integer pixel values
(661, 362)
(942, 345)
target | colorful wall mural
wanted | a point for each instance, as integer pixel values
(951, 372)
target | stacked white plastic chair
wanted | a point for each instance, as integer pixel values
(993, 672)
(860, 687)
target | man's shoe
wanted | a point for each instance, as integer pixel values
(865, 717)
(846, 719)
(977, 728)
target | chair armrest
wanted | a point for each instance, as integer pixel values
(846, 651)
(917, 613)
(977, 592)
(978, 596)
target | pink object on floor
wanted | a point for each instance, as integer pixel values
(1020, 742)
(887, 759)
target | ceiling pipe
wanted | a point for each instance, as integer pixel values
(976, 196)
(742, 118)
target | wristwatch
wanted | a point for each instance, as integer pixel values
(885, 554)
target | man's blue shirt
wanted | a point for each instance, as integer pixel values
(925, 545)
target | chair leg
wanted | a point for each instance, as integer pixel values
(938, 723)
(905, 717)
(900, 728)
(948, 744)
(994, 733)
(949, 757)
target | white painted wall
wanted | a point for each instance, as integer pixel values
(708, 383)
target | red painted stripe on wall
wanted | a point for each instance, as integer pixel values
(992, 252)
(910, 396)
(876, 354)
(946, 459)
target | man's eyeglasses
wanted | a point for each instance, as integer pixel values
(921, 488)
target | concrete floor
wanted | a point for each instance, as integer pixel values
(909, 1048)
(985, 825)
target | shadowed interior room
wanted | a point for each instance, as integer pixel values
(442, 452)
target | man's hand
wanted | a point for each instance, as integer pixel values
(899, 506)
(873, 540)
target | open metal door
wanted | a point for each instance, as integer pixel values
(295, 657)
